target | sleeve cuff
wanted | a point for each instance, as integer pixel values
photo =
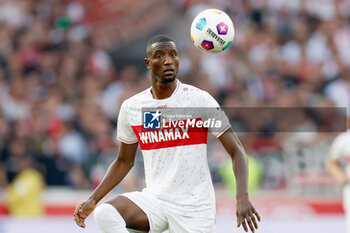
(127, 141)
(222, 131)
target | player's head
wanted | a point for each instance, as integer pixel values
(162, 59)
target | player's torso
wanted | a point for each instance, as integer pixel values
(167, 123)
(174, 154)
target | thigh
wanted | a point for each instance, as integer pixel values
(186, 224)
(146, 213)
(133, 215)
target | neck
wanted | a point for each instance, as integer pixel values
(162, 90)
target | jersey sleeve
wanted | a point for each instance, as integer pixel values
(337, 147)
(124, 131)
(214, 111)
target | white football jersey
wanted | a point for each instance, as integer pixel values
(175, 156)
(340, 149)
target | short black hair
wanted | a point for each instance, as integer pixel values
(158, 38)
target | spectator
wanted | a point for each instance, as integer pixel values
(23, 194)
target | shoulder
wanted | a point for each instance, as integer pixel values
(136, 99)
(193, 91)
(343, 138)
(339, 143)
(197, 96)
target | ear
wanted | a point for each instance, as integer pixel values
(147, 63)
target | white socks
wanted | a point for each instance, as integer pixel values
(109, 220)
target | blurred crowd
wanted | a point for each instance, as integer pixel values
(61, 89)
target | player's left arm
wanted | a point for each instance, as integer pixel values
(333, 167)
(246, 213)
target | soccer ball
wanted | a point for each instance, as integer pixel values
(212, 31)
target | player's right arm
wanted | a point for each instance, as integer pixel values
(335, 154)
(334, 168)
(118, 169)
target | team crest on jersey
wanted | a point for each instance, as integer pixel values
(151, 119)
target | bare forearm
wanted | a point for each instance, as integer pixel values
(240, 168)
(245, 211)
(336, 172)
(115, 174)
(239, 161)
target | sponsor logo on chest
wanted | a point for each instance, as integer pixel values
(170, 135)
(164, 135)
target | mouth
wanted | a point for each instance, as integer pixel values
(168, 71)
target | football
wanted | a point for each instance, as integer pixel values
(212, 31)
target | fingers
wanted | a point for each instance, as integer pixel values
(79, 221)
(256, 214)
(79, 218)
(252, 217)
(245, 226)
(248, 219)
(239, 221)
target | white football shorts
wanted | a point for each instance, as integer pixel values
(161, 218)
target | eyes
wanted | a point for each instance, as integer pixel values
(160, 56)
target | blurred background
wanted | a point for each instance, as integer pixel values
(67, 65)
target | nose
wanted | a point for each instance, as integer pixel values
(168, 60)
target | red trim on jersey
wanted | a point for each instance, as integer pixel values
(222, 131)
(127, 141)
(151, 139)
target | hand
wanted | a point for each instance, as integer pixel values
(245, 214)
(82, 211)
